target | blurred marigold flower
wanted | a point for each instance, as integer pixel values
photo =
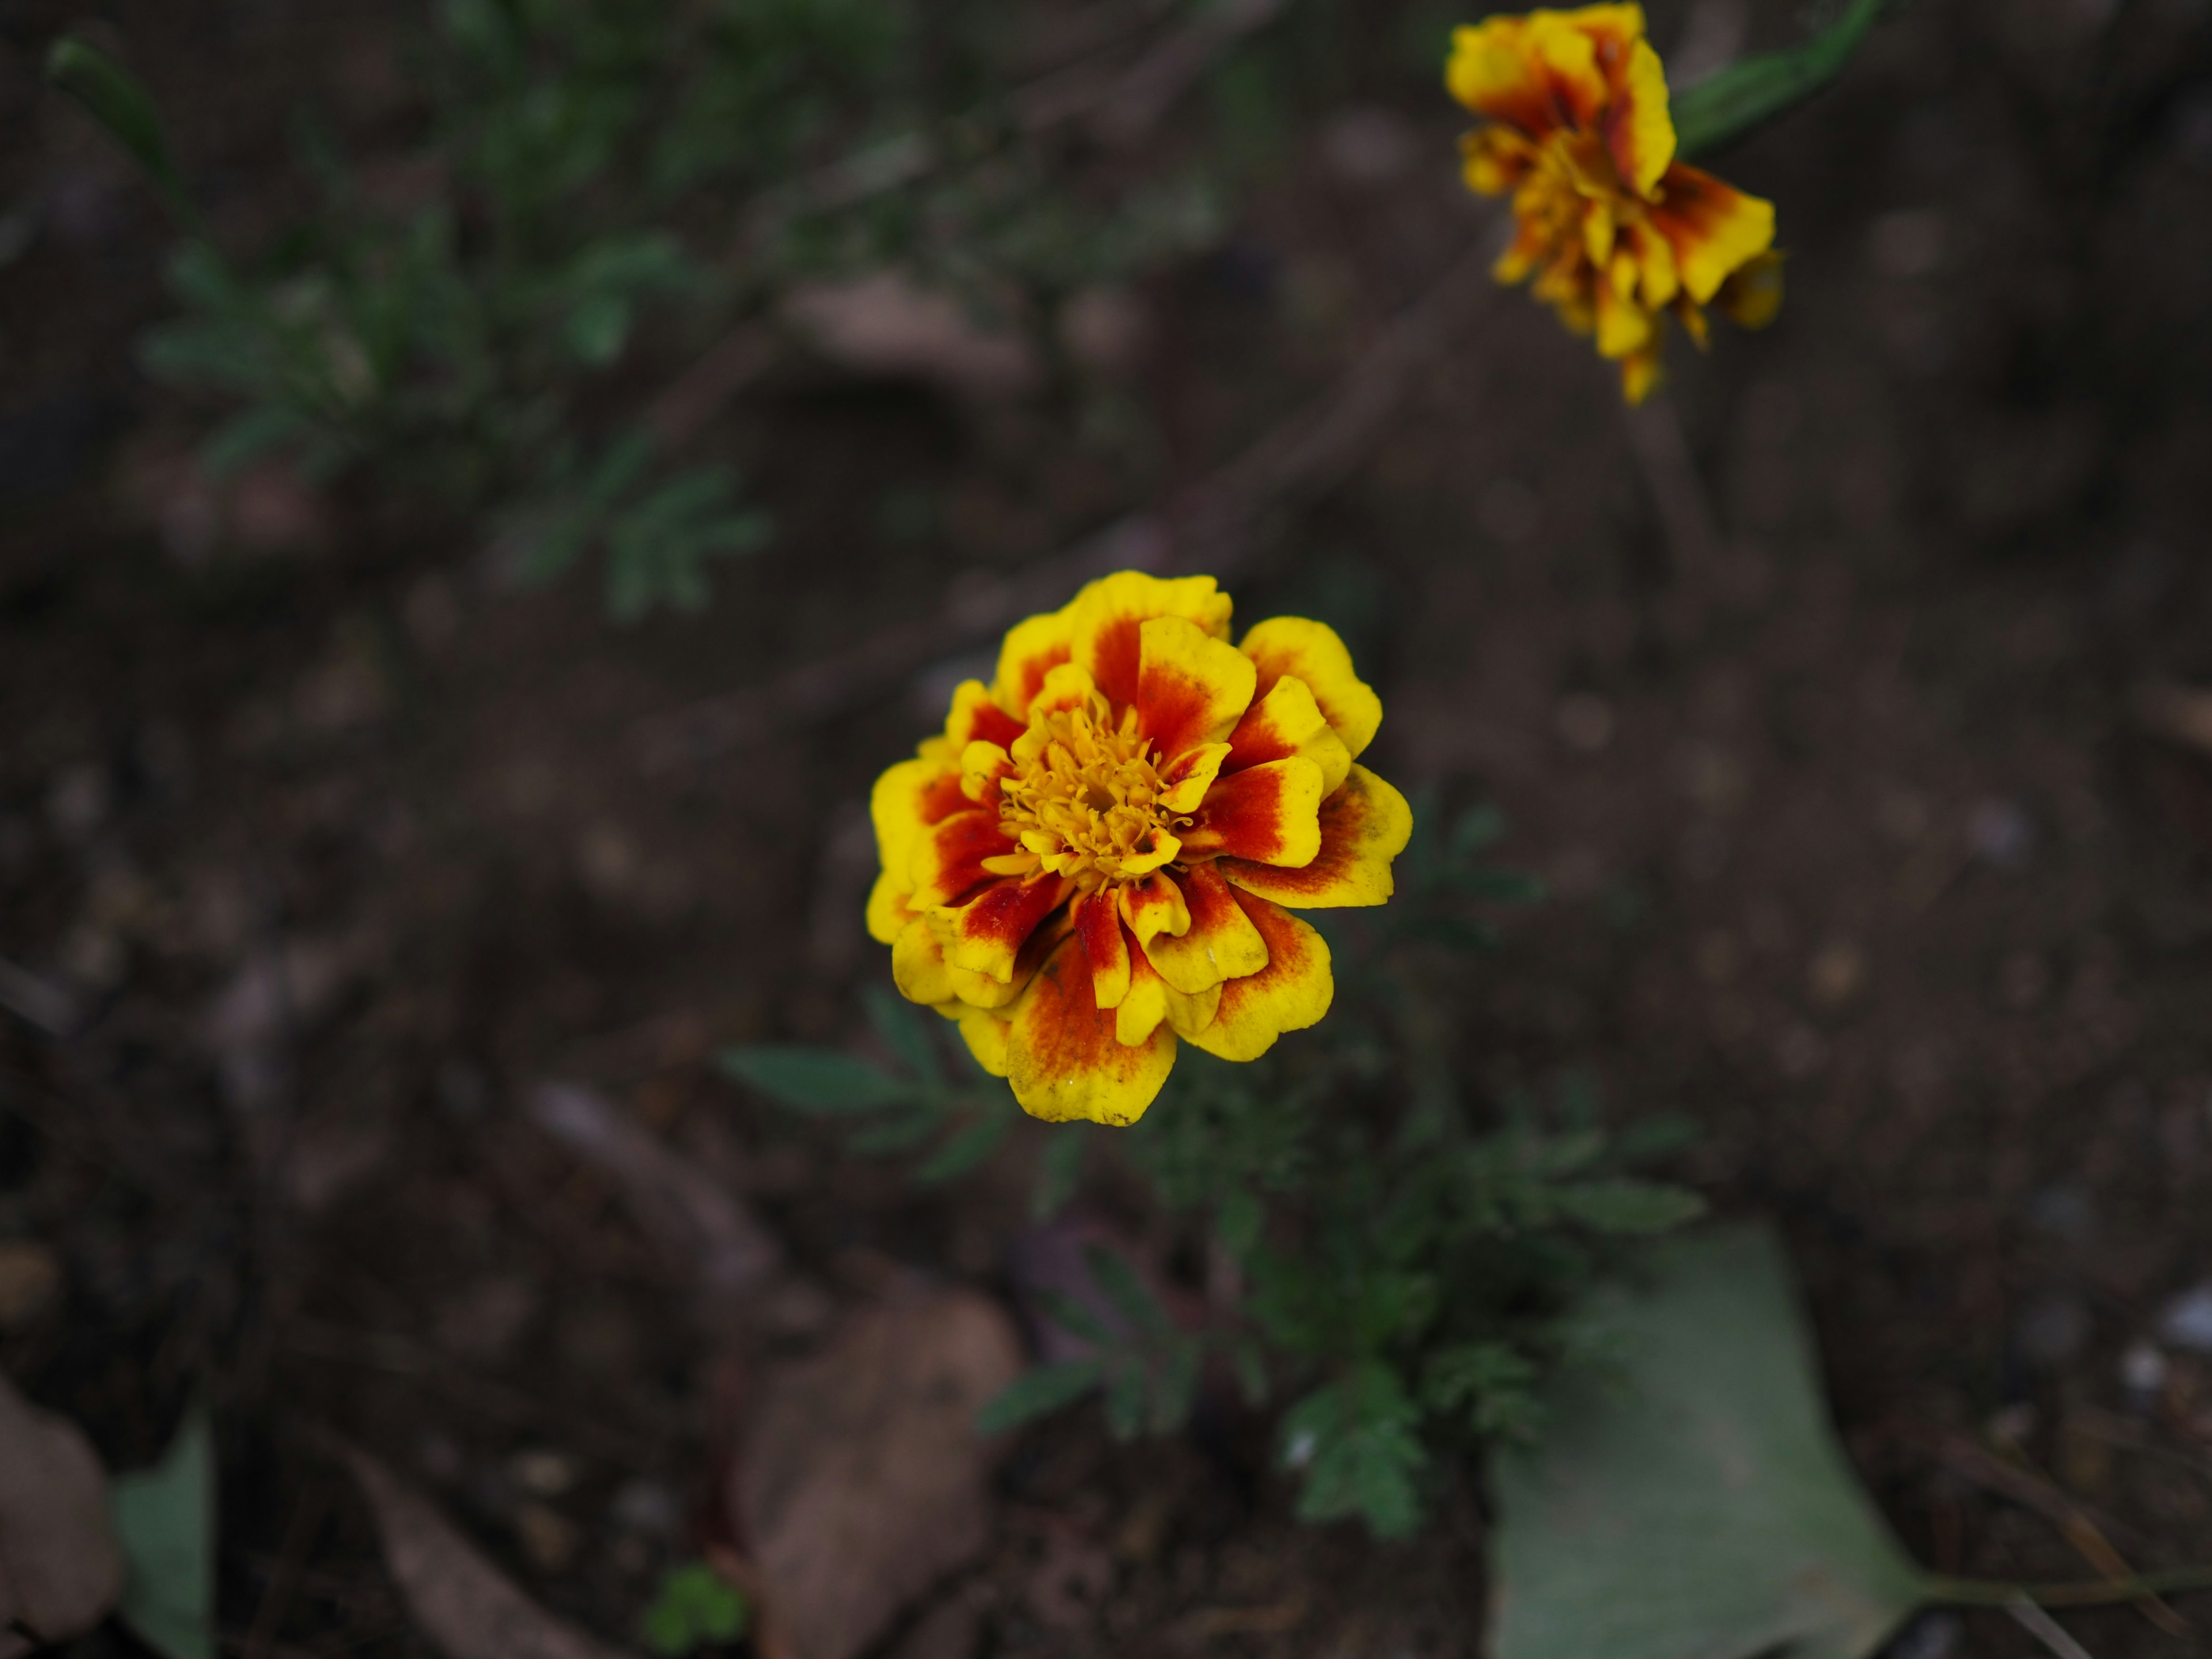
(1095, 858)
(1617, 233)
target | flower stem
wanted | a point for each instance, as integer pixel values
(2089, 1593)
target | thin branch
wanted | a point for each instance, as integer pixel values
(2090, 1593)
(2045, 1628)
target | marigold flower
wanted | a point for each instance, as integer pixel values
(1095, 857)
(1618, 234)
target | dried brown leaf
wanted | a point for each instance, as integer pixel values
(465, 1605)
(862, 1481)
(60, 1568)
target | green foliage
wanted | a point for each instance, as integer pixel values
(601, 187)
(165, 1522)
(1748, 94)
(694, 1607)
(1409, 1264)
(963, 1118)
(113, 97)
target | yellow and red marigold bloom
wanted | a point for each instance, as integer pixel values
(1617, 233)
(1100, 855)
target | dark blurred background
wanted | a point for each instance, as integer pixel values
(1848, 699)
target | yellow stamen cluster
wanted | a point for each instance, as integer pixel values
(1086, 800)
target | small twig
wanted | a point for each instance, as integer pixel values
(2045, 1628)
(2075, 1520)
(2090, 1593)
(1685, 507)
(1208, 528)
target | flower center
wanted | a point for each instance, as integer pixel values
(1085, 797)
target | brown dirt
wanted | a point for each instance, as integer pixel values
(1861, 854)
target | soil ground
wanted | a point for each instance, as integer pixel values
(1863, 850)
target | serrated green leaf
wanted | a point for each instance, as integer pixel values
(1175, 1388)
(1695, 1505)
(1077, 1320)
(904, 1030)
(1745, 96)
(1356, 1440)
(246, 437)
(967, 1150)
(1125, 1399)
(165, 1521)
(1060, 1170)
(1038, 1392)
(1111, 1271)
(817, 1080)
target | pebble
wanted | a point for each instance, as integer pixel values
(1931, 1635)
(77, 800)
(2000, 832)
(1837, 973)
(30, 1279)
(2143, 1374)
(645, 1506)
(549, 1537)
(2186, 1322)
(542, 1471)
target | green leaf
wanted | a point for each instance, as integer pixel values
(817, 1080)
(113, 96)
(967, 1150)
(1491, 1382)
(1745, 96)
(1060, 1170)
(694, 1607)
(1125, 1403)
(597, 328)
(1175, 1389)
(1697, 1505)
(165, 1521)
(1635, 1207)
(1357, 1441)
(246, 437)
(1075, 1319)
(1038, 1392)
(1111, 1271)
(904, 1030)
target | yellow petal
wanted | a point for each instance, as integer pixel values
(1313, 653)
(987, 934)
(1107, 618)
(1184, 782)
(1288, 721)
(1064, 1059)
(888, 914)
(1222, 943)
(1269, 813)
(1364, 826)
(1639, 130)
(896, 805)
(1152, 999)
(1154, 906)
(1192, 686)
(1640, 372)
(1753, 293)
(1031, 650)
(1716, 228)
(986, 1036)
(1292, 991)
